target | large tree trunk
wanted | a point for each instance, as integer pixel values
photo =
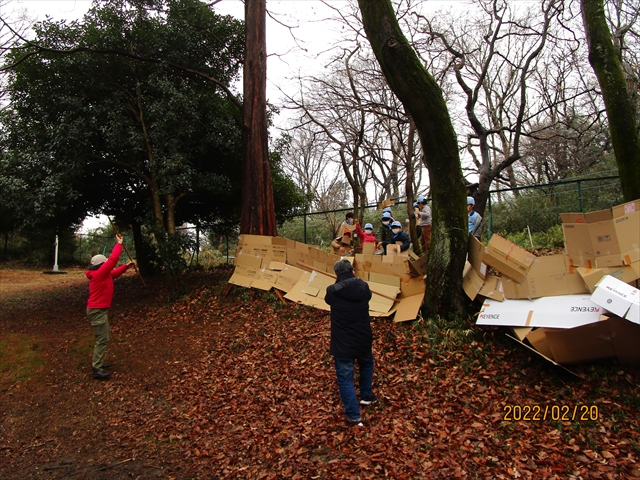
(258, 208)
(620, 112)
(422, 98)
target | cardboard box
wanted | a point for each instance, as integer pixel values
(618, 298)
(610, 338)
(577, 242)
(605, 238)
(509, 259)
(548, 276)
(626, 222)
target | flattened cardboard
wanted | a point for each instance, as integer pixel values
(265, 279)
(386, 203)
(412, 286)
(407, 309)
(418, 266)
(315, 297)
(492, 288)
(566, 311)
(625, 273)
(475, 255)
(547, 277)
(368, 248)
(288, 277)
(617, 297)
(509, 259)
(248, 260)
(471, 281)
(243, 276)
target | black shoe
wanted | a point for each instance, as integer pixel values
(104, 366)
(100, 374)
(369, 401)
(355, 423)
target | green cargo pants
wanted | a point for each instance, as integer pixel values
(99, 319)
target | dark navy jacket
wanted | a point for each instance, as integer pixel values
(351, 335)
(401, 236)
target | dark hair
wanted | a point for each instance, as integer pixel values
(342, 266)
(349, 215)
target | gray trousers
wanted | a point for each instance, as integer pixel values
(99, 319)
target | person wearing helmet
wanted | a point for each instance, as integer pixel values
(425, 224)
(101, 274)
(347, 224)
(475, 220)
(416, 214)
(384, 232)
(367, 235)
(398, 236)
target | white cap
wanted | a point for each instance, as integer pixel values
(98, 259)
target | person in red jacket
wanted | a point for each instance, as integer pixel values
(101, 274)
(366, 235)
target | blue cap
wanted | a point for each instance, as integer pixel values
(396, 224)
(386, 209)
(415, 204)
(368, 225)
(386, 215)
(470, 201)
(421, 199)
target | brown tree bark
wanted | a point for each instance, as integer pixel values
(258, 208)
(617, 101)
(423, 99)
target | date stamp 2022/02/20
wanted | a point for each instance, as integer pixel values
(541, 413)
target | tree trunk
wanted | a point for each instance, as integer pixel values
(422, 98)
(620, 112)
(142, 254)
(417, 246)
(258, 208)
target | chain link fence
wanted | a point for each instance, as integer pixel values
(528, 215)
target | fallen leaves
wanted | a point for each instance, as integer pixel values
(244, 388)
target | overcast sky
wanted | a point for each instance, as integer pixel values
(286, 54)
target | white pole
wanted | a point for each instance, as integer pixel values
(55, 261)
(530, 238)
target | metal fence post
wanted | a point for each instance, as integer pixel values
(489, 219)
(227, 248)
(197, 243)
(580, 206)
(305, 226)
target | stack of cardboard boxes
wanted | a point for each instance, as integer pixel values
(304, 272)
(580, 306)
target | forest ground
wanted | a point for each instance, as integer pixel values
(227, 382)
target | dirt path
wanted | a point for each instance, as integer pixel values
(55, 417)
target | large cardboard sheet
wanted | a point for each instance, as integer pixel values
(311, 290)
(548, 276)
(566, 311)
